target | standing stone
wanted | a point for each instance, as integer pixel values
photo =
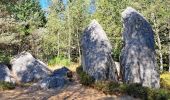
(138, 62)
(26, 68)
(96, 53)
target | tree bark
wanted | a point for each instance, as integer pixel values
(158, 43)
(58, 42)
(169, 49)
(69, 32)
(78, 44)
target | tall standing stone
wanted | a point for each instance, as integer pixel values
(96, 53)
(138, 62)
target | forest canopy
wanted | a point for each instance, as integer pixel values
(54, 33)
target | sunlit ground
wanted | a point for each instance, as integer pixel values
(72, 66)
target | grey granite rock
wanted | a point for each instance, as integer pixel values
(58, 79)
(5, 74)
(138, 62)
(26, 68)
(96, 53)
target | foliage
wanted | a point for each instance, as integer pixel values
(6, 85)
(110, 87)
(65, 23)
(4, 58)
(136, 90)
(29, 11)
(165, 80)
(59, 61)
(85, 79)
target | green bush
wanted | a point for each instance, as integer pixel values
(6, 85)
(79, 70)
(145, 93)
(161, 94)
(111, 87)
(136, 90)
(4, 58)
(85, 79)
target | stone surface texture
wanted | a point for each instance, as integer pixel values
(58, 79)
(5, 74)
(96, 53)
(26, 68)
(138, 61)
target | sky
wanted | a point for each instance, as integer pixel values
(44, 4)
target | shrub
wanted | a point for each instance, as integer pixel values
(123, 88)
(4, 58)
(85, 79)
(165, 80)
(100, 85)
(79, 70)
(111, 87)
(136, 90)
(6, 85)
(161, 94)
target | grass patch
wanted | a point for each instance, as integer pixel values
(59, 61)
(6, 85)
(135, 90)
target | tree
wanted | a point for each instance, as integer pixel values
(67, 21)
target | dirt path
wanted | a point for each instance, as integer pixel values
(74, 91)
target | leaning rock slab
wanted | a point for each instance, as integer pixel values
(96, 53)
(138, 62)
(26, 68)
(5, 74)
(58, 79)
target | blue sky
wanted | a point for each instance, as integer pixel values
(44, 3)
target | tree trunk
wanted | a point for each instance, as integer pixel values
(78, 42)
(169, 50)
(58, 42)
(69, 32)
(158, 43)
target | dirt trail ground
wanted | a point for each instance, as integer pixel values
(74, 91)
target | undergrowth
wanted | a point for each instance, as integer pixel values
(6, 85)
(165, 80)
(136, 90)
